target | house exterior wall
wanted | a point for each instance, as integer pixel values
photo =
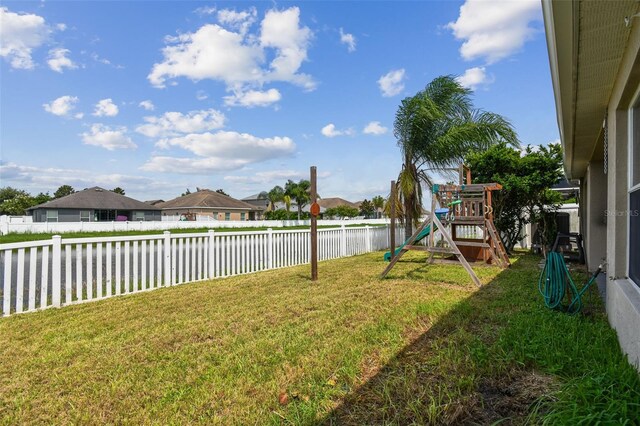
(73, 215)
(622, 295)
(594, 218)
(585, 49)
(215, 214)
(152, 215)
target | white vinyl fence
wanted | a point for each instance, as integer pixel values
(59, 272)
(24, 224)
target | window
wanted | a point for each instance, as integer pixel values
(634, 236)
(242, 215)
(52, 215)
(138, 216)
(227, 216)
(85, 216)
(634, 148)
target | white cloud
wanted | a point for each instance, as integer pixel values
(349, 40)
(494, 29)
(106, 108)
(192, 166)
(106, 137)
(147, 104)
(37, 179)
(220, 151)
(205, 10)
(235, 56)
(232, 145)
(175, 123)
(330, 131)
(210, 53)
(392, 83)
(271, 176)
(240, 21)
(201, 95)
(375, 128)
(253, 98)
(19, 35)
(105, 61)
(58, 60)
(281, 30)
(62, 106)
(97, 58)
(474, 78)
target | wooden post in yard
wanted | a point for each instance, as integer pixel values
(314, 210)
(392, 214)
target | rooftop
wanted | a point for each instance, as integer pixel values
(95, 198)
(205, 198)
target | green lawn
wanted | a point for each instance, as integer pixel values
(422, 346)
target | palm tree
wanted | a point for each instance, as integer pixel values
(378, 203)
(287, 202)
(274, 196)
(299, 192)
(436, 129)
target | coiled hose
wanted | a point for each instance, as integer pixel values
(555, 281)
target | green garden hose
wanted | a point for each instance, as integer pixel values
(555, 281)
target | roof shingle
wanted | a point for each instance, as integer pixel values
(206, 198)
(95, 198)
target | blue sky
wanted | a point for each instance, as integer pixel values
(160, 96)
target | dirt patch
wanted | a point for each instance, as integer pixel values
(509, 398)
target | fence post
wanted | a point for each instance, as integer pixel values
(368, 238)
(269, 248)
(211, 233)
(167, 258)
(343, 241)
(56, 260)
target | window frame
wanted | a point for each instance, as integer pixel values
(243, 216)
(137, 218)
(88, 216)
(227, 216)
(634, 108)
(46, 216)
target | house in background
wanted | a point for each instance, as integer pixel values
(568, 190)
(260, 201)
(594, 53)
(94, 205)
(210, 204)
(329, 203)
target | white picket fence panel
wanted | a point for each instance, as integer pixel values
(9, 225)
(59, 272)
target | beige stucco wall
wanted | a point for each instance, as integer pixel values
(623, 296)
(594, 220)
(216, 215)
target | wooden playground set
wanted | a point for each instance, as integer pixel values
(459, 228)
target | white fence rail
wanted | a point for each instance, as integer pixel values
(10, 225)
(60, 272)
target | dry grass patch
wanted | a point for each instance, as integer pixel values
(423, 346)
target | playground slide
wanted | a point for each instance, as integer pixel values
(425, 232)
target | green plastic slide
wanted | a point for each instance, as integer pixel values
(425, 232)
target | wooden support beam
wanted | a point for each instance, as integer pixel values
(314, 227)
(392, 213)
(409, 242)
(461, 258)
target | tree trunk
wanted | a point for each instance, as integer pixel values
(408, 219)
(299, 211)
